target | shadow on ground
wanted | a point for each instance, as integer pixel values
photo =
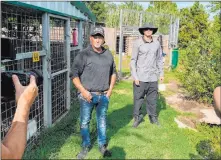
(205, 150)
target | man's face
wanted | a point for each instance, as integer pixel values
(97, 40)
(148, 32)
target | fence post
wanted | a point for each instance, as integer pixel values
(177, 32)
(68, 52)
(170, 41)
(46, 70)
(141, 18)
(80, 35)
(121, 44)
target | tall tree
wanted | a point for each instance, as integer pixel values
(200, 43)
(159, 14)
(113, 15)
(99, 9)
(193, 22)
(215, 7)
(167, 7)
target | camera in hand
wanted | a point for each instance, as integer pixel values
(7, 85)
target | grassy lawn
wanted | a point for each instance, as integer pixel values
(147, 141)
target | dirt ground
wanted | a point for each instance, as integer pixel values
(193, 112)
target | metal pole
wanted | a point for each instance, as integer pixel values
(177, 31)
(120, 44)
(80, 36)
(170, 42)
(141, 18)
(67, 38)
(46, 70)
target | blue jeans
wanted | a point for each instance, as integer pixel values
(100, 102)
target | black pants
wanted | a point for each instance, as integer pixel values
(150, 90)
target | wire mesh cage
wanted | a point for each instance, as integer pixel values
(131, 18)
(59, 96)
(8, 107)
(21, 30)
(86, 33)
(7, 112)
(57, 42)
(58, 63)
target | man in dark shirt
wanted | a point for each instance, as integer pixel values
(94, 75)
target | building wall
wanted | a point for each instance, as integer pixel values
(110, 38)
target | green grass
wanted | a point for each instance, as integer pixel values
(170, 76)
(147, 141)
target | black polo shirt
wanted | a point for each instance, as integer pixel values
(94, 69)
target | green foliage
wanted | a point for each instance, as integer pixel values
(201, 75)
(199, 41)
(113, 16)
(193, 22)
(166, 7)
(161, 13)
(209, 148)
(99, 9)
(206, 151)
(215, 7)
(131, 6)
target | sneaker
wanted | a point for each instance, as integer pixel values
(154, 120)
(83, 153)
(104, 151)
(137, 120)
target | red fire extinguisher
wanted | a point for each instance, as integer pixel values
(75, 37)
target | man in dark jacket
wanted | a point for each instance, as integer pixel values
(146, 69)
(94, 75)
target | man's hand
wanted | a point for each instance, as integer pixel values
(25, 95)
(108, 94)
(87, 95)
(137, 82)
(161, 79)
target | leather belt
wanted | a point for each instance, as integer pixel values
(100, 93)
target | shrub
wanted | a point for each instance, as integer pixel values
(200, 74)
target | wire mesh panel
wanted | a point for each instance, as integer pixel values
(57, 42)
(59, 96)
(58, 63)
(7, 114)
(8, 106)
(74, 53)
(131, 18)
(86, 33)
(21, 30)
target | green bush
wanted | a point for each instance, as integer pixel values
(200, 74)
(209, 148)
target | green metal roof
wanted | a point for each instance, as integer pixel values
(83, 8)
(75, 9)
